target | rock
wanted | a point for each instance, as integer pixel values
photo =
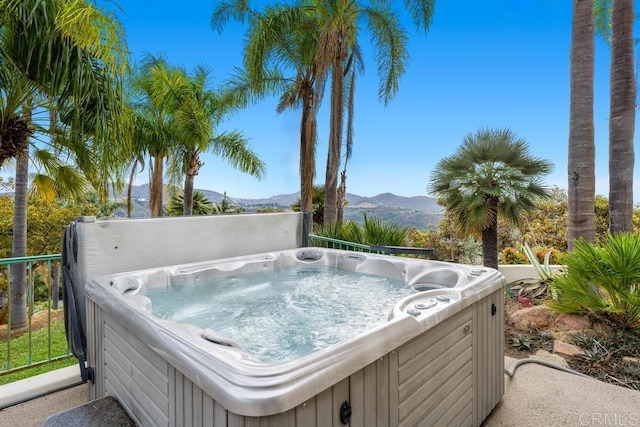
(571, 322)
(553, 358)
(532, 318)
(568, 336)
(561, 347)
(602, 329)
(631, 360)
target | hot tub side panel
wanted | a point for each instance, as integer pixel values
(450, 374)
(488, 354)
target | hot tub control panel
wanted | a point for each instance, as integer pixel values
(428, 304)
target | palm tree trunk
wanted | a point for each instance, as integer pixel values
(342, 192)
(193, 167)
(156, 186)
(490, 246)
(490, 238)
(622, 118)
(187, 208)
(19, 245)
(335, 138)
(307, 156)
(130, 187)
(581, 162)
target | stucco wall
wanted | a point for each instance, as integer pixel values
(518, 272)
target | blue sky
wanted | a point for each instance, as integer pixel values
(502, 63)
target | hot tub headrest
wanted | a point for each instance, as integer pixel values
(309, 254)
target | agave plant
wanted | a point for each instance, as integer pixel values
(521, 342)
(535, 288)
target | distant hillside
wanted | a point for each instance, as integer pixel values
(142, 192)
(407, 217)
(417, 211)
(419, 203)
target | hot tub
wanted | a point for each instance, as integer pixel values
(434, 356)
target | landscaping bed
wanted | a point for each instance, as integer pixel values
(601, 351)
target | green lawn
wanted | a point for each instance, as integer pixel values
(39, 352)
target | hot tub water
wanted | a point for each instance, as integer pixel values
(282, 314)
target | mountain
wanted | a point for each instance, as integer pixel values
(417, 211)
(419, 203)
(283, 200)
(142, 192)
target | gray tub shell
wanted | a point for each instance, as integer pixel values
(444, 366)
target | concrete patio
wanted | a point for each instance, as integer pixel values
(535, 396)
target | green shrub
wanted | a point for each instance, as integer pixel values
(602, 280)
(379, 232)
(373, 232)
(332, 231)
(470, 251)
(445, 249)
(511, 255)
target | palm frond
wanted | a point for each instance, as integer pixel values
(602, 10)
(225, 11)
(390, 43)
(233, 147)
(421, 12)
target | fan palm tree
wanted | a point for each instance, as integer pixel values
(581, 164)
(73, 53)
(279, 60)
(622, 117)
(490, 174)
(197, 111)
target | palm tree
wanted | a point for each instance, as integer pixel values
(350, 106)
(581, 164)
(318, 206)
(73, 53)
(332, 27)
(281, 39)
(622, 117)
(339, 22)
(198, 110)
(226, 207)
(152, 128)
(201, 205)
(490, 174)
